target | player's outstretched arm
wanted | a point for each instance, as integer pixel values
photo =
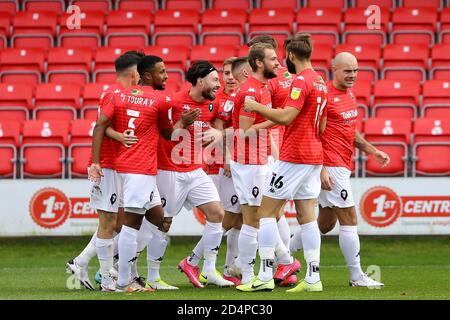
(362, 144)
(187, 118)
(281, 116)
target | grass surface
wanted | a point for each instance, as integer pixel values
(411, 268)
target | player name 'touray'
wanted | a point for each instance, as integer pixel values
(145, 102)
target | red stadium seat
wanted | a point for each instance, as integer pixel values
(216, 55)
(128, 28)
(5, 23)
(57, 101)
(356, 29)
(280, 4)
(55, 6)
(393, 137)
(341, 4)
(185, 86)
(34, 29)
(175, 57)
(9, 142)
(80, 147)
(223, 27)
(9, 6)
(172, 87)
(42, 153)
(104, 58)
(386, 4)
(440, 62)
(21, 65)
(323, 24)
(93, 5)
(321, 58)
(235, 4)
(444, 30)
(198, 5)
(276, 22)
(362, 90)
(431, 149)
(69, 65)
(175, 27)
(91, 98)
(436, 99)
(417, 23)
(146, 5)
(87, 34)
(368, 56)
(15, 101)
(396, 99)
(422, 3)
(405, 62)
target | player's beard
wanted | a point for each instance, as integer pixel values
(208, 94)
(290, 66)
(158, 86)
(269, 74)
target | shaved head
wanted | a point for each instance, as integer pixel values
(345, 70)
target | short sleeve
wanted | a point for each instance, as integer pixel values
(298, 93)
(107, 105)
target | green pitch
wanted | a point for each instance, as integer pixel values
(411, 268)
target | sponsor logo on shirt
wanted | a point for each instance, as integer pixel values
(349, 114)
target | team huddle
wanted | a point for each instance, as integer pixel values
(238, 153)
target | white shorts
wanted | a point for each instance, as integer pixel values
(107, 194)
(138, 192)
(185, 189)
(341, 196)
(248, 180)
(155, 198)
(227, 193)
(293, 181)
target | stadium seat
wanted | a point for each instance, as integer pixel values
(323, 24)
(362, 91)
(79, 151)
(9, 6)
(146, 5)
(15, 101)
(172, 87)
(431, 149)
(339, 4)
(175, 57)
(385, 4)
(235, 4)
(128, 28)
(42, 153)
(417, 23)
(440, 62)
(215, 54)
(104, 58)
(66, 65)
(436, 99)
(405, 62)
(175, 27)
(87, 34)
(223, 27)
(55, 6)
(279, 4)
(21, 65)
(5, 23)
(91, 98)
(93, 5)
(396, 99)
(321, 59)
(356, 29)
(368, 56)
(198, 5)
(393, 137)
(9, 142)
(57, 101)
(444, 29)
(276, 22)
(34, 29)
(437, 4)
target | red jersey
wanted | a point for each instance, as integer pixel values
(109, 146)
(225, 112)
(339, 135)
(255, 151)
(145, 111)
(187, 155)
(301, 142)
(279, 91)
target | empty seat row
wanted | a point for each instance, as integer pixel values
(45, 148)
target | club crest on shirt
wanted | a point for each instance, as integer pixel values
(295, 93)
(210, 107)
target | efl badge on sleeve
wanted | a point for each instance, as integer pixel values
(295, 93)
